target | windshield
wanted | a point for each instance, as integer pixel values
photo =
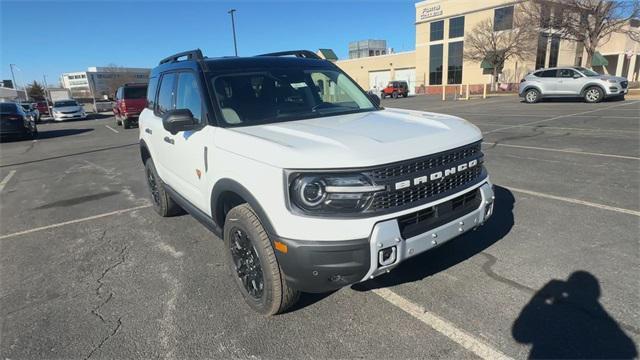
(65, 103)
(587, 72)
(138, 92)
(276, 95)
(26, 106)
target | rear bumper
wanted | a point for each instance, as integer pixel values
(321, 266)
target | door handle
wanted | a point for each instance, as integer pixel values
(169, 140)
(148, 131)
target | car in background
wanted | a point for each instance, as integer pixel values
(130, 100)
(68, 109)
(31, 110)
(576, 82)
(14, 121)
(42, 107)
(395, 89)
(102, 106)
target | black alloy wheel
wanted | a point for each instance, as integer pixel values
(246, 263)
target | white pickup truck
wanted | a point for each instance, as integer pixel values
(310, 182)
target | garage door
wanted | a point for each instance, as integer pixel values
(379, 79)
(408, 75)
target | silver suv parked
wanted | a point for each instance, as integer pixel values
(571, 82)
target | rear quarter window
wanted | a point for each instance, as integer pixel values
(151, 92)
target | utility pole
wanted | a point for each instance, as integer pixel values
(233, 27)
(46, 98)
(15, 84)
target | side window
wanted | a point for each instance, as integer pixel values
(188, 94)
(151, 93)
(566, 73)
(549, 73)
(165, 95)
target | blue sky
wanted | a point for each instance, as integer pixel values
(44, 37)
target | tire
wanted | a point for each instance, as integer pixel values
(532, 96)
(382, 95)
(394, 95)
(593, 95)
(118, 122)
(253, 263)
(405, 95)
(163, 204)
(126, 124)
(34, 132)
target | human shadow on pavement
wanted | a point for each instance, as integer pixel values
(453, 252)
(565, 320)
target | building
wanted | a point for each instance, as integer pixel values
(11, 94)
(441, 26)
(366, 48)
(101, 81)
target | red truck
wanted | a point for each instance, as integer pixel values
(130, 100)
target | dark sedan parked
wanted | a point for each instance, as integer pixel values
(15, 122)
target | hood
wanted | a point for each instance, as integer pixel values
(68, 108)
(348, 141)
(612, 77)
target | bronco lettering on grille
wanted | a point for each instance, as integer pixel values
(438, 175)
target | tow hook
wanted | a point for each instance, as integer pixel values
(387, 256)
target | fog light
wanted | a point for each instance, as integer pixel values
(387, 256)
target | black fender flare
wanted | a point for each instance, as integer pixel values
(144, 151)
(229, 185)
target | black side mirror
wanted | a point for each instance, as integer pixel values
(178, 120)
(375, 99)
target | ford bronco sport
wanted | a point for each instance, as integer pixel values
(310, 182)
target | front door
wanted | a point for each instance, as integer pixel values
(569, 82)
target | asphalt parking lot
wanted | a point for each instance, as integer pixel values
(88, 270)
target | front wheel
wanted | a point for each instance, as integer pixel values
(593, 95)
(394, 95)
(253, 263)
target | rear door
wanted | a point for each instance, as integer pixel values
(151, 124)
(548, 82)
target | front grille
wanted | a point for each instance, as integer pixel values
(426, 192)
(430, 218)
(624, 84)
(69, 112)
(410, 167)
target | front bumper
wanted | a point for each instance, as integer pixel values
(321, 266)
(61, 117)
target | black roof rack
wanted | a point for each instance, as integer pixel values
(297, 53)
(190, 55)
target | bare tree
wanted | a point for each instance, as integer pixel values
(484, 43)
(587, 22)
(112, 79)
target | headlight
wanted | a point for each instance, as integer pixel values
(331, 193)
(612, 81)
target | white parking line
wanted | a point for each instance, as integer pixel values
(563, 151)
(575, 201)
(544, 116)
(461, 337)
(52, 226)
(112, 129)
(557, 117)
(6, 179)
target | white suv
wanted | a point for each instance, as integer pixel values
(312, 185)
(572, 82)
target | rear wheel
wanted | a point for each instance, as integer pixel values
(593, 94)
(253, 263)
(126, 124)
(163, 204)
(532, 96)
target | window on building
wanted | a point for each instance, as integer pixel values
(541, 54)
(437, 30)
(370, 52)
(456, 27)
(579, 52)
(454, 71)
(553, 51)
(165, 96)
(188, 95)
(503, 18)
(435, 64)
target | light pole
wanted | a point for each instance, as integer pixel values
(46, 98)
(233, 27)
(15, 84)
